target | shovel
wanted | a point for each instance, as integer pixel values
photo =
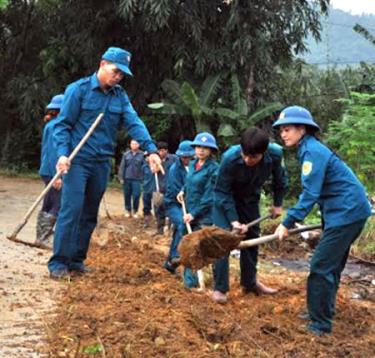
(18, 228)
(209, 244)
(200, 274)
(157, 196)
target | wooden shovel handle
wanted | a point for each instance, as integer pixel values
(57, 176)
(264, 239)
(188, 226)
(257, 221)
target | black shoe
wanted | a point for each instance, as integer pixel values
(59, 274)
(169, 267)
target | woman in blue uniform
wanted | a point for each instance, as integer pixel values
(51, 203)
(330, 183)
(198, 190)
(175, 182)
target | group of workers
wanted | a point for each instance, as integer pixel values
(225, 193)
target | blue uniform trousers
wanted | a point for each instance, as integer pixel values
(147, 203)
(248, 257)
(327, 264)
(174, 212)
(51, 202)
(132, 190)
(82, 190)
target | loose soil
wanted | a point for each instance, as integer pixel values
(129, 306)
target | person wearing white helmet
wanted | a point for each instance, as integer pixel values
(198, 190)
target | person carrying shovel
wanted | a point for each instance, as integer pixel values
(330, 183)
(51, 203)
(85, 179)
(243, 171)
(175, 182)
(198, 190)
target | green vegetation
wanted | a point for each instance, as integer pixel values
(353, 136)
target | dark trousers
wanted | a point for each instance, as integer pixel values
(160, 215)
(248, 259)
(51, 202)
(147, 203)
(132, 193)
(174, 213)
(327, 264)
(82, 190)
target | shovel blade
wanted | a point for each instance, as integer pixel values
(205, 246)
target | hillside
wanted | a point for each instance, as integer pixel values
(340, 43)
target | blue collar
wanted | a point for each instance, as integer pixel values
(94, 84)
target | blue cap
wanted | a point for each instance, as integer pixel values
(120, 57)
(56, 102)
(296, 115)
(205, 139)
(185, 149)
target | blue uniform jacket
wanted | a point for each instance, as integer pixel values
(131, 165)
(48, 157)
(238, 186)
(175, 182)
(328, 181)
(148, 178)
(167, 163)
(84, 100)
(198, 190)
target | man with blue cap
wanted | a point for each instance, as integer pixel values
(175, 182)
(51, 203)
(85, 179)
(330, 183)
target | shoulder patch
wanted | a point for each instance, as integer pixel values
(307, 168)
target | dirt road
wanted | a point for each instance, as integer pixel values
(27, 295)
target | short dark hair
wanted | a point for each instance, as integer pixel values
(254, 141)
(162, 145)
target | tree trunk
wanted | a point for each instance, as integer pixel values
(250, 85)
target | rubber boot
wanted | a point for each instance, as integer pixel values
(44, 229)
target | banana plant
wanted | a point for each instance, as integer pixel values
(184, 100)
(235, 120)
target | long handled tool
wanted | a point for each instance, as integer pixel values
(13, 235)
(200, 274)
(263, 239)
(209, 244)
(157, 196)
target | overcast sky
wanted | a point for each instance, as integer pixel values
(356, 7)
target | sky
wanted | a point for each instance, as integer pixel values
(356, 7)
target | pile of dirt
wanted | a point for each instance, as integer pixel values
(130, 307)
(204, 246)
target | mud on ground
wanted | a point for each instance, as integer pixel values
(131, 307)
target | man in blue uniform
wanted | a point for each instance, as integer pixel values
(130, 175)
(330, 183)
(85, 179)
(175, 182)
(243, 171)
